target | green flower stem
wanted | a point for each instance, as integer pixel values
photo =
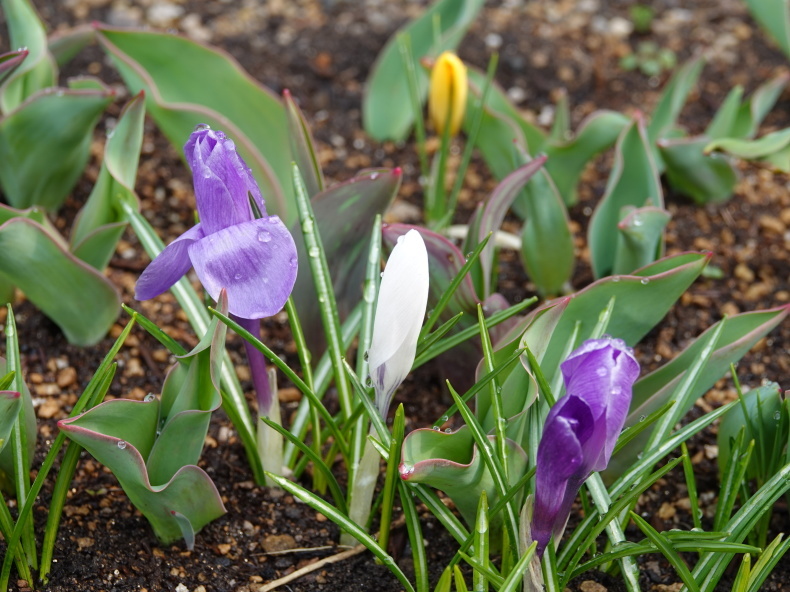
(324, 291)
(404, 46)
(364, 484)
(391, 480)
(479, 579)
(601, 498)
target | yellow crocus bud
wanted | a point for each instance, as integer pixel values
(447, 93)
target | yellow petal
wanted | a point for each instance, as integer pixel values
(447, 96)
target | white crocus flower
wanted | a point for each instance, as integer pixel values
(403, 297)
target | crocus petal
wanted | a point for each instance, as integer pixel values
(602, 372)
(254, 261)
(168, 267)
(223, 181)
(560, 463)
(403, 298)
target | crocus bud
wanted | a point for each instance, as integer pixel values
(403, 297)
(581, 429)
(447, 98)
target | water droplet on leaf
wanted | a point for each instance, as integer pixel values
(149, 397)
(313, 252)
(121, 444)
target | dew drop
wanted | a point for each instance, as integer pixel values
(448, 430)
(615, 278)
(307, 226)
(149, 397)
(777, 415)
(369, 382)
(121, 444)
(237, 276)
(616, 390)
(601, 372)
(637, 221)
(642, 418)
(374, 176)
(435, 428)
(313, 252)
(293, 261)
(644, 281)
(445, 418)
(202, 127)
(366, 357)
(264, 236)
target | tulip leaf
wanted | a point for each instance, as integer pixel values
(75, 296)
(38, 71)
(639, 239)
(546, 223)
(10, 404)
(386, 107)
(45, 144)
(450, 461)
(531, 137)
(691, 171)
(754, 110)
(490, 217)
(723, 123)
(773, 16)
(303, 147)
(641, 301)
(345, 214)
(206, 85)
(764, 147)
(65, 44)
(152, 446)
(739, 335)
(633, 182)
(673, 98)
(10, 61)
(567, 159)
(101, 221)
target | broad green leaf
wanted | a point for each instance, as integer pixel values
(723, 123)
(10, 61)
(694, 172)
(673, 98)
(386, 106)
(640, 235)
(189, 396)
(531, 137)
(568, 159)
(38, 71)
(641, 301)
(546, 242)
(206, 85)
(189, 493)
(491, 216)
(74, 295)
(651, 392)
(752, 149)
(774, 16)
(754, 110)
(345, 214)
(45, 144)
(10, 404)
(101, 221)
(65, 44)
(633, 182)
(303, 147)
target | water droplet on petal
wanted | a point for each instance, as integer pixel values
(264, 236)
(121, 444)
(237, 276)
(293, 261)
(616, 390)
(601, 372)
(201, 127)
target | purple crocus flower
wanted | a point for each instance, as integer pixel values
(254, 259)
(581, 429)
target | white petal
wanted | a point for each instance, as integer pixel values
(403, 298)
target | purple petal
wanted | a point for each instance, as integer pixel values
(223, 181)
(168, 267)
(602, 372)
(254, 261)
(561, 466)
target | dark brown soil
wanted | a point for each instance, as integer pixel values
(322, 52)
